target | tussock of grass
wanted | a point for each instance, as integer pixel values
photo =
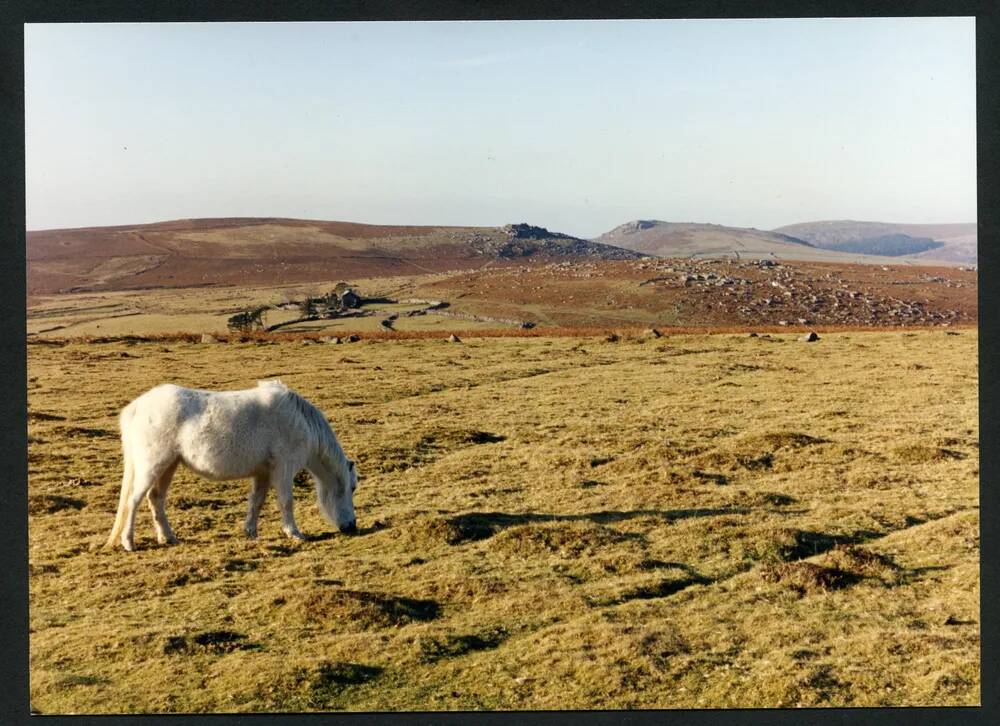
(52, 503)
(866, 563)
(762, 499)
(437, 647)
(353, 609)
(807, 577)
(429, 531)
(213, 641)
(781, 439)
(922, 454)
(644, 586)
(565, 539)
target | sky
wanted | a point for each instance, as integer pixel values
(575, 126)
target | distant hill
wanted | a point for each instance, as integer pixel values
(687, 239)
(890, 245)
(188, 252)
(955, 243)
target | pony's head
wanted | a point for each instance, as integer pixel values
(335, 494)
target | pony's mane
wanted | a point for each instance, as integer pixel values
(319, 427)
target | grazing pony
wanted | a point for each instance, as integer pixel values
(268, 433)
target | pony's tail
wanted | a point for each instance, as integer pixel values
(128, 475)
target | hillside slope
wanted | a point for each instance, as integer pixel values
(183, 253)
(688, 239)
(955, 243)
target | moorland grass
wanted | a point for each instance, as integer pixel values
(692, 521)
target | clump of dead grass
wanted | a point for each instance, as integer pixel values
(865, 563)
(565, 539)
(807, 577)
(321, 686)
(923, 454)
(784, 544)
(209, 641)
(430, 531)
(339, 608)
(435, 647)
(761, 499)
(467, 589)
(781, 439)
(52, 503)
(644, 587)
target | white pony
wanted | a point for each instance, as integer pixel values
(268, 433)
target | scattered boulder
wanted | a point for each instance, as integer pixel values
(652, 333)
(809, 337)
(352, 338)
(454, 338)
(208, 338)
(752, 335)
(330, 339)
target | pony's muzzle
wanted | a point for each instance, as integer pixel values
(349, 528)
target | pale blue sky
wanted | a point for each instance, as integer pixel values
(577, 126)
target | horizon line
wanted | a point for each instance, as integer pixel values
(474, 226)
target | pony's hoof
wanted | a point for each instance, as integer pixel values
(171, 540)
(297, 535)
(128, 546)
(251, 534)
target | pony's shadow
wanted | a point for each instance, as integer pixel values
(359, 532)
(321, 537)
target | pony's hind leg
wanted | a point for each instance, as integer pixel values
(146, 477)
(281, 480)
(157, 498)
(258, 492)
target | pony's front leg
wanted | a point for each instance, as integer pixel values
(281, 480)
(258, 492)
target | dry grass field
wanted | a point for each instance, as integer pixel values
(701, 521)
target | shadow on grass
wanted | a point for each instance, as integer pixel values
(482, 525)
